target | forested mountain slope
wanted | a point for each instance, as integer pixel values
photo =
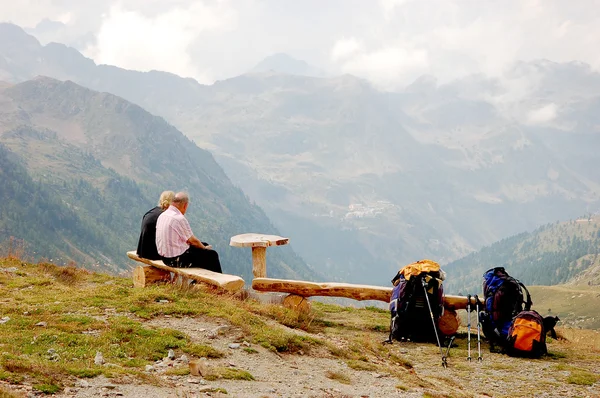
(565, 252)
(103, 161)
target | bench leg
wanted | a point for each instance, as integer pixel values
(297, 303)
(147, 275)
(259, 262)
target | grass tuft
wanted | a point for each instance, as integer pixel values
(582, 378)
(361, 365)
(338, 376)
(228, 374)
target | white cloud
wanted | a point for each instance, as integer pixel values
(389, 6)
(543, 115)
(132, 40)
(386, 67)
(344, 48)
(219, 38)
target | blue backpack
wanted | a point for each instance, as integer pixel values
(504, 299)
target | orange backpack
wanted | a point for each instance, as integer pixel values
(526, 336)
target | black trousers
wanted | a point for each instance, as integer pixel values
(195, 257)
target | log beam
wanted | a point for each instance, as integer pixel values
(307, 289)
(348, 290)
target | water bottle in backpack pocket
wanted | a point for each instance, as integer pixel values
(526, 336)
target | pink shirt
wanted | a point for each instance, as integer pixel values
(172, 232)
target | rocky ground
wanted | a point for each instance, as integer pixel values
(319, 374)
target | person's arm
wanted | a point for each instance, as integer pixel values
(193, 241)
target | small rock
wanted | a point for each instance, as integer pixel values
(171, 354)
(51, 351)
(99, 359)
(26, 313)
(109, 386)
(184, 358)
(245, 343)
(198, 368)
(42, 324)
(82, 384)
(221, 329)
(232, 364)
(234, 346)
(205, 389)
(149, 368)
(163, 301)
(193, 381)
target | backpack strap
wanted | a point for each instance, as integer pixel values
(528, 302)
(396, 278)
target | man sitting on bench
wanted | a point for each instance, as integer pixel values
(176, 242)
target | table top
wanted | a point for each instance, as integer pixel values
(257, 240)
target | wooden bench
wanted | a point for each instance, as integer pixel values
(348, 290)
(157, 271)
(299, 291)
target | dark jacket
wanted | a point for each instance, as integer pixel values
(147, 242)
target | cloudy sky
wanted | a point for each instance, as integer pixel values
(389, 42)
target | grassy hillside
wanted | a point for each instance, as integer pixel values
(576, 306)
(71, 332)
(563, 252)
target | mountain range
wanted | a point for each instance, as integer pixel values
(365, 181)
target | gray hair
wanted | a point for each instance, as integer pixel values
(181, 198)
(165, 199)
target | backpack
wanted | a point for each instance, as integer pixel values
(527, 335)
(410, 313)
(504, 299)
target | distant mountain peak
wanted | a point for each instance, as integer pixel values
(286, 64)
(12, 35)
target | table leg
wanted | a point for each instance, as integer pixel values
(259, 262)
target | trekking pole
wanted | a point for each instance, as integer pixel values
(424, 283)
(449, 345)
(479, 358)
(469, 327)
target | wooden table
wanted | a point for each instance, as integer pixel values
(259, 244)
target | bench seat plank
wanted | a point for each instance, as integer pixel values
(232, 283)
(348, 290)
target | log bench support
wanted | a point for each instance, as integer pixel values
(156, 271)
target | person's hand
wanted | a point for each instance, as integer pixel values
(208, 247)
